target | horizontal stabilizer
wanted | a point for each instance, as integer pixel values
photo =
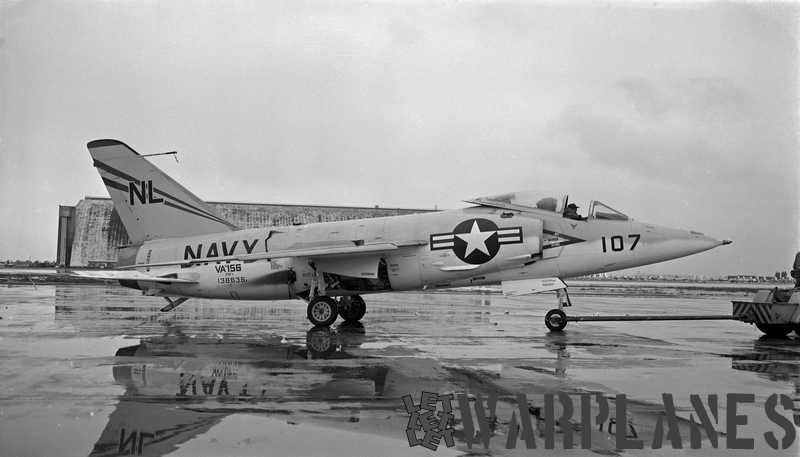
(115, 275)
(532, 286)
(127, 276)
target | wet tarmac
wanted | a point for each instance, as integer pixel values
(98, 371)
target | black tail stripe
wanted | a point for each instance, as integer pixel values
(128, 177)
(201, 210)
(114, 171)
(115, 185)
(173, 205)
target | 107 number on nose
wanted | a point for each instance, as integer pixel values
(617, 243)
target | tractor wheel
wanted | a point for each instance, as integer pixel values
(776, 330)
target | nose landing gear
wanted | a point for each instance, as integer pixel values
(556, 319)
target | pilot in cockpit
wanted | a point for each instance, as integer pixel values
(572, 212)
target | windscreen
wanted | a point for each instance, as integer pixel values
(605, 212)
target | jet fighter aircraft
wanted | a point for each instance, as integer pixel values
(180, 248)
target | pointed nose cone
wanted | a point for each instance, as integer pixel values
(704, 243)
(681, 243)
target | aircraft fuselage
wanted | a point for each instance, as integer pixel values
(472, 246)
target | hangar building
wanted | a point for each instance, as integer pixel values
(90, 232)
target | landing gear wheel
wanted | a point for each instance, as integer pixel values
(776, 330)
(322, 311)
(555, 320)
(352, 308)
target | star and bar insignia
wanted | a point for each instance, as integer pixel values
(476, 241)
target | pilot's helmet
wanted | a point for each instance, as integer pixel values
(572, 206)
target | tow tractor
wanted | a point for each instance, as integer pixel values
(776, 312)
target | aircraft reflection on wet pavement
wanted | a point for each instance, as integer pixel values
(178, 386)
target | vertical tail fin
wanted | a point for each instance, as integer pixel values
(150, 204)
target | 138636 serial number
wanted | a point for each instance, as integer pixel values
(232, 280)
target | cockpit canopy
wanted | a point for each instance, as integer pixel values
(539, 201)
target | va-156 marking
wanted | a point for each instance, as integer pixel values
(228, 267)
(180, 248)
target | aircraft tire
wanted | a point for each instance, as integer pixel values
(555, 320)
(322, 311)
(775, 330)
(352, 308)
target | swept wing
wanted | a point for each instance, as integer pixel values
(327, 251)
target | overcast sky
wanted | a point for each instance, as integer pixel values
(683, 115)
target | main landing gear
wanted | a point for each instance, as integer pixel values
(556, 319)
(352, 308)
(323, 310)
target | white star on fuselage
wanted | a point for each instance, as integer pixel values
(476, 240)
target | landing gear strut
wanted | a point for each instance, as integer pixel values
(556, 319)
